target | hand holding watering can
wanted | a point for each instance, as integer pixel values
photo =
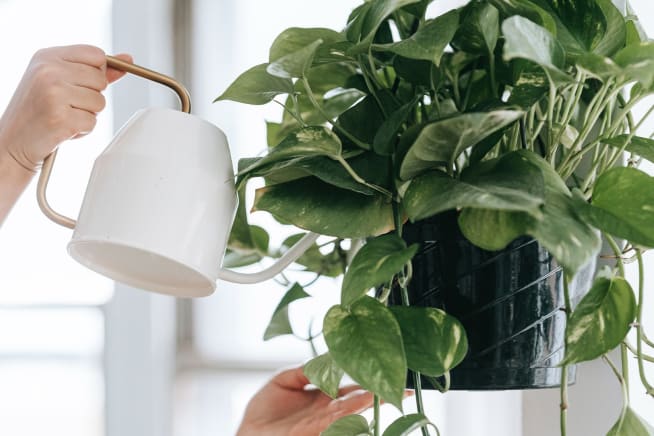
(160, 203)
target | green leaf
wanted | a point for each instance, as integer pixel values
(295, 39)
(376, 263)
(631, 425)
(528, 10)
(294, 64)
(279, 323)
(600, 321)
(310, 141)
(600, 67)
(643, 147)
(256, 86)
(428, 42)
(416, 72)
(441, 142)
(527, 40)
(365, 340)
(479, 29)
(386, 136)
(364, 119)
(318, 207)
(564, 233)
(531, 86)
(623, 205)
(404, 425)
(324, 373)
(511, 182)
(434, 341)
(582, 26)
(352, 425)
(370, 18)
(637, 62)
(240, 237)
(492, 230)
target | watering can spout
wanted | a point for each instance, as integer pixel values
(160, 203)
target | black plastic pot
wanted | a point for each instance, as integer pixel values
(510, 302)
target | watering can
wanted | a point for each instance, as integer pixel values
(160, 203)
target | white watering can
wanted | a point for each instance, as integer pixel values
(160, 203)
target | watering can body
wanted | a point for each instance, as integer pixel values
(154, 201)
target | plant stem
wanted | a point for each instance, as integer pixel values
(623, 386)
(564, 400)
(359, 179)
(617, 252)
(564, 368)
(376, 416)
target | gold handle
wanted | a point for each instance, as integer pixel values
(48, 162)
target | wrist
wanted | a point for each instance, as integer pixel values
(12, 157)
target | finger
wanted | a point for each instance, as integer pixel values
(347, 389)
(87, 76)
(86, 99)
(112, 74)
(83, 54)
(81, 123)
(354, 402)
(291, 379)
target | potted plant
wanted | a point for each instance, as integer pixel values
(488, 150)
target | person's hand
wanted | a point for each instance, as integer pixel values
(57, 99)
(284, 407)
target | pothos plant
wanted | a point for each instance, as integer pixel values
(518, 114)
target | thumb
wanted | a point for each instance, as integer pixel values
(113, 74)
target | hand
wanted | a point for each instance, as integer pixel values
(284, 407)
(57, 99)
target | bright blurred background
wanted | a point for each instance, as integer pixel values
(82, 356)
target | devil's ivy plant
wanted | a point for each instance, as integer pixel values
(516, 113)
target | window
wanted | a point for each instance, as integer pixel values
(52, 326)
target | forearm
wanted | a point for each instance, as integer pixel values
(13, 180)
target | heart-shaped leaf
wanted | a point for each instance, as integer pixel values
(324, 373)
(428, 42)
(511, 182)
(295, 39)
(256, 86)
(583, 26)
(441, 142)
(368, 19)
(637, 62)
(316, 206)
(626, 216)
(492, 230)
(479, 29)
(374, 264)
(365, 340)
(294, 64)
(600, 321)
(434, 342)
(352, 425)
(310, 141)
(279, 323)
(631, 425)
(525, 39)
(404, 425)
